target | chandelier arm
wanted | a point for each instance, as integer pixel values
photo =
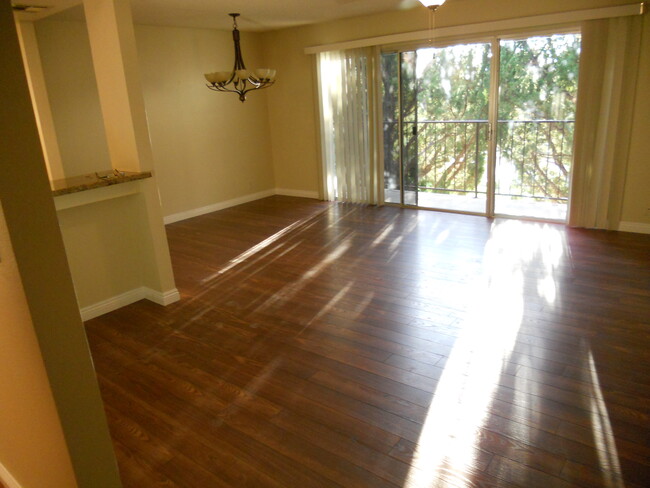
(264, 84)
(240, 85)
(243, 84)
(260, 87)
(222, 88)
(239, 91)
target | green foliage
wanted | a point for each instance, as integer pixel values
(455, 83)
(539, 78)
(390, 107)
(444, 108)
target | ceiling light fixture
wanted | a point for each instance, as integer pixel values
(432, 4)
(31, 9)
(240, 80)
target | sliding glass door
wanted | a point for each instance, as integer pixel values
(538, 89)
(436, 127)
(439, 106)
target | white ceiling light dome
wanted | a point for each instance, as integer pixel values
(432, 4)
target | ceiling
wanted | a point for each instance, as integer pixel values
(256, 15)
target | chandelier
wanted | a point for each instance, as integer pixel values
(240, 80)
(432, 4)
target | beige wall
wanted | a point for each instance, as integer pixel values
(292, 109)
(208, 147)
(294, 125)
(102, 243)
(72, 89)
(32, 446)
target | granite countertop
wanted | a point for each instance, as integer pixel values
(99, 179)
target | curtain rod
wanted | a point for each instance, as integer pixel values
(485, 27)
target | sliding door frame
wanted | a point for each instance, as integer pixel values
(493, 123)
(493, 105)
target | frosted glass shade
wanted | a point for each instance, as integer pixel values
(243, 74)
(265, 74)
(432, 3)
(218, 76)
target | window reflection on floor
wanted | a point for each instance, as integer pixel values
(448, 442)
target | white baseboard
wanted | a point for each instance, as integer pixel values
(132, 296)
(162, 298)
(6, 479)
(636, 227)
(297, 193)
(177, 217)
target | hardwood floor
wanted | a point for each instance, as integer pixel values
(341, 345)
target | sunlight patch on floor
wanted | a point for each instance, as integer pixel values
(287, 292)
(252, 251)
(449, 439)
(394, 248)
(330, 305)
(388, 228)
(610, 466)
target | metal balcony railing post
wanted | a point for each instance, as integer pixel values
(476, 162)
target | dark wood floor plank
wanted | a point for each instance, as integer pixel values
(236, 459)
(246, 373)
(345, 445)
(322, 344)
(514, 472)
(137, 472)
(581, 475)
(178, 468)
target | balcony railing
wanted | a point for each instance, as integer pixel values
(450, 157)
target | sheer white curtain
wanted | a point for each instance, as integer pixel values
(607, 87)
(350, 163)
